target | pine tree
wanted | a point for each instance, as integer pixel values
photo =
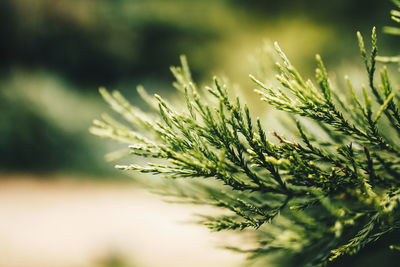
(326, 193)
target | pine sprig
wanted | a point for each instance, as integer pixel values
(320, 197)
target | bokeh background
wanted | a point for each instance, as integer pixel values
(61, 203)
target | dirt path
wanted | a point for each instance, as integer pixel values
(71, 223)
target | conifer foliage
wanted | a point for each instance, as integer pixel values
(327, 193)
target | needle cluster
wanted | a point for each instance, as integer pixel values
(316, 197)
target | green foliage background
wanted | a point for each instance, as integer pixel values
(80, 45)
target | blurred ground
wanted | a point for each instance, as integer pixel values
(57, 222)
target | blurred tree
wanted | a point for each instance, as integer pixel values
(103, 42)
(124, 42)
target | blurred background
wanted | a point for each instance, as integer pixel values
(61, 203)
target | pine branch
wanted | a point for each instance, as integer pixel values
(319, 196)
